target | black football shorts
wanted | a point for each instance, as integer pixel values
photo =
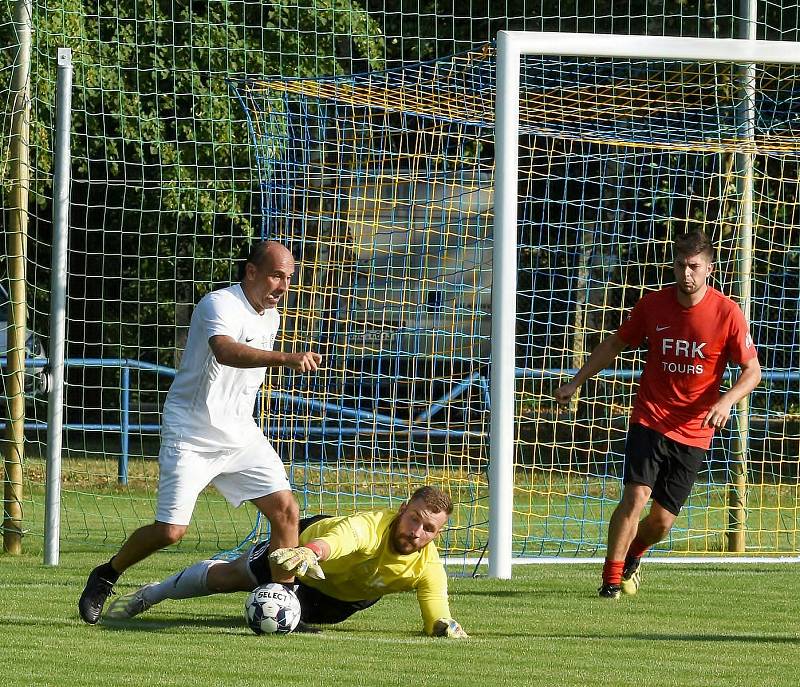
(669, 468)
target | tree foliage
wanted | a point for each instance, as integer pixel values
(164, 188)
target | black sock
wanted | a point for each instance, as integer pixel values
(107, 572)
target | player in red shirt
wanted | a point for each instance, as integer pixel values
(692, 331)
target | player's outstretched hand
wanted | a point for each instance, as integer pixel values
(447, 627)
(564, 393)
(301, 561)
(308, 361)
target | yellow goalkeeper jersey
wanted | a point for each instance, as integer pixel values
(363, 566)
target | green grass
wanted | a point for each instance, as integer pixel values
(731, 625)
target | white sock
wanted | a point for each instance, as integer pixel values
(188, 583)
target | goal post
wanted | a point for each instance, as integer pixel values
(511, 48)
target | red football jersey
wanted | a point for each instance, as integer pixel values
(687, 352)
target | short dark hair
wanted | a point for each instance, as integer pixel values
(435, 499)
(693, 242)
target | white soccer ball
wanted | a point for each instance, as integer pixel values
(272, 609)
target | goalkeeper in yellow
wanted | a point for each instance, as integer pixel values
(343, 565)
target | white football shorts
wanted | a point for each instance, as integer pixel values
(239, 474)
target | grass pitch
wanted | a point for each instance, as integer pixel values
(725, 625)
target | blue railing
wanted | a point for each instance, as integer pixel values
(124, 427)
(373, 423)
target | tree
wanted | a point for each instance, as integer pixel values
(164, 188)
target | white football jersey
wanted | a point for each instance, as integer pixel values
(210, 406)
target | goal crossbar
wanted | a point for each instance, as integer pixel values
(647, 47)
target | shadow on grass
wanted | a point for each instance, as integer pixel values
(160, 624)
(234, 626)
(646, 637)
(758, 639)
(499, 593)
(211, 623)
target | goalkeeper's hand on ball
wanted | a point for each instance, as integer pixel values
(301, 561)
(447, 627)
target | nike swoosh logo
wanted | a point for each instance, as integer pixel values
(661, 329)
(249, 339)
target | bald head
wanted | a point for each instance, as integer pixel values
(264, 253)
(266, 273)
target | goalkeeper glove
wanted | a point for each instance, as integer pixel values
(447, 627)
(301, 561)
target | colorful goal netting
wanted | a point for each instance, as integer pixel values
(382, 183)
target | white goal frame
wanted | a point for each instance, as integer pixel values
(511, 45)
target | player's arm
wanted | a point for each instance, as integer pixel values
(602, 356)
(749, 378)
(232, 353)
(341, 540)
(433, 604)
(319, 547)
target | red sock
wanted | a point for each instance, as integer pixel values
(637, 548)
(612, 572)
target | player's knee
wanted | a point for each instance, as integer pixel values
(166, 534)
(287, 513)
(634, 499)
(661, 527)
(281, 510)
(225, 577)
(630, 507)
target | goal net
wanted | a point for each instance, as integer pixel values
(383, 184)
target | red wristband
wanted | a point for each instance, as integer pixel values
(316, 548)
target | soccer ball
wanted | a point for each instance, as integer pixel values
(272, 609)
